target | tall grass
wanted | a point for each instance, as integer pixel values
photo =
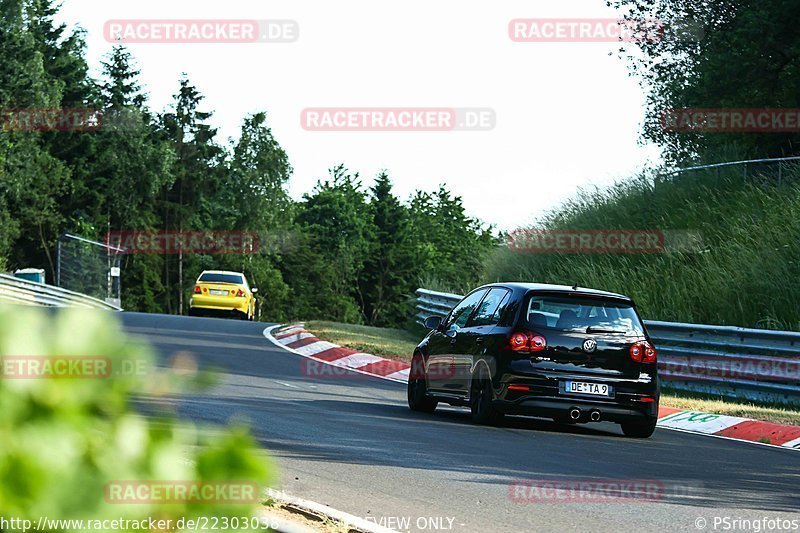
(745, 273)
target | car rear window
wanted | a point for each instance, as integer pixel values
(221, 278)
(586, 315)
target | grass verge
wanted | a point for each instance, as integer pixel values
(384, 342)
(399, 344)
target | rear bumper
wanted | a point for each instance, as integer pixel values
(561, 408)
(633, 399)
(218, 303)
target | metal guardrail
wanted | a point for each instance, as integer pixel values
(752, 364)
(26, 292)
(771, 160)
(769, 168)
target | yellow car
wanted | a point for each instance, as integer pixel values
(223, 293)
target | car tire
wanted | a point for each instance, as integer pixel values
(639, 430)
(418, 399)
(480, 399)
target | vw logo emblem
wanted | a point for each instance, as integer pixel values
(589, 345)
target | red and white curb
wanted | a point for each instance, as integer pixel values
(296, 339)
(731, 427)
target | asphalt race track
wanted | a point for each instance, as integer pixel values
(349, 441)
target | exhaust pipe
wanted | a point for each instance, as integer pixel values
(595, 416)
(574, 413)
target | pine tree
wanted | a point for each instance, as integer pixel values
(31, 179)
(199, 160)
(389, 272)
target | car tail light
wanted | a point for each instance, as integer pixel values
(240, 292)
(524, 388)
(526, 342)
(197, 289)
(643, 352)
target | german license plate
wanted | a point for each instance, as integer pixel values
(217, 292)
(582, 387)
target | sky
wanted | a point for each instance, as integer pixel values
(567, 115)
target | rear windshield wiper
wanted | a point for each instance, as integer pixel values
(601, 329)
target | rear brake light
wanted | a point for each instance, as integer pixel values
(197, 289)
(240, 293)
(518, 341)
(519, 387)
(538, 343)
(643, 352)
(526, 342)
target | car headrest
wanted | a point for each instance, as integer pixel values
(537, 319)
(566, 319)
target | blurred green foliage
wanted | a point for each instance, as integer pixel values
(63, 440)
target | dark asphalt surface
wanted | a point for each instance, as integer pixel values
(350, 442)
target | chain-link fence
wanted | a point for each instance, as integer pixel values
(89, 267)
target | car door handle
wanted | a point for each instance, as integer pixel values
(479, 340)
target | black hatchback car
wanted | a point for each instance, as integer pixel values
(571, 354)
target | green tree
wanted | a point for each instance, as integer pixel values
(450, 246)
(31, 179)
(335, 219)
(389, 272)
(253, 195)
(717, 54)
(188, 202)
(121, 191)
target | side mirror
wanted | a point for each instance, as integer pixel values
(433, 322)
(254, 290)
